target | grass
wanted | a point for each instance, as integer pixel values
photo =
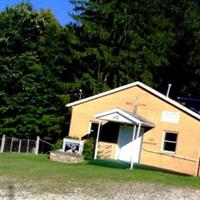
(30, 170)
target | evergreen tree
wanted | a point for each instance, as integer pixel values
(149, 41)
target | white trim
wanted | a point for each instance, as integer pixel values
(102, 94)
(97, 141)
(138, 131)
(142, 85)
(162, 144)
(134, 132)
(141, 144)
(132, 119)
(137, 135)
(118, 111)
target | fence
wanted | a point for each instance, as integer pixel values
(12, 144)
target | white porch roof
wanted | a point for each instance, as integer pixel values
(121, 116)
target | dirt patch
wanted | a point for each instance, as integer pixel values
(103, 191)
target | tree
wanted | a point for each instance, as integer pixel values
(112, 43)
(149, 41)
(124, 41)
(32, 60)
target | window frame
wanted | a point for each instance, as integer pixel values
(164, 141)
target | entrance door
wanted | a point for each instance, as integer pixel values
(128, 144)
(124, 143)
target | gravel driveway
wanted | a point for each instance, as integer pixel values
(106, 191)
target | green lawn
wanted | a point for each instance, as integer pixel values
(30, 170)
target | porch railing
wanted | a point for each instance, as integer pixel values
(104, 151)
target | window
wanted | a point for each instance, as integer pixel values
(170, 140)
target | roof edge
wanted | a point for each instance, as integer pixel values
(171, 101)
(142, 85)
(102, 94)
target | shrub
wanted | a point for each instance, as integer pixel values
(57, 145)
(88, 149)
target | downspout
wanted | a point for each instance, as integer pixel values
(198, 165)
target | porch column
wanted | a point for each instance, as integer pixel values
(137, 134)
(134, 132)
(97, 140)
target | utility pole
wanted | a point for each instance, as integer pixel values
(80, 94)
(168, 89)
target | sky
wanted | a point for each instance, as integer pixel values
(60, 8)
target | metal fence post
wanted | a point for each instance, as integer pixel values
(19, 148)
(37, 145)
(11, 144)
(2, 143)
(27, 147)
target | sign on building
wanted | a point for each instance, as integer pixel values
(171, 117)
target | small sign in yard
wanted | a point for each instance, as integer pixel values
(72, 146)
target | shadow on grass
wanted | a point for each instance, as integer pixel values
(156, 169)
(110, 163)
(125, 165)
